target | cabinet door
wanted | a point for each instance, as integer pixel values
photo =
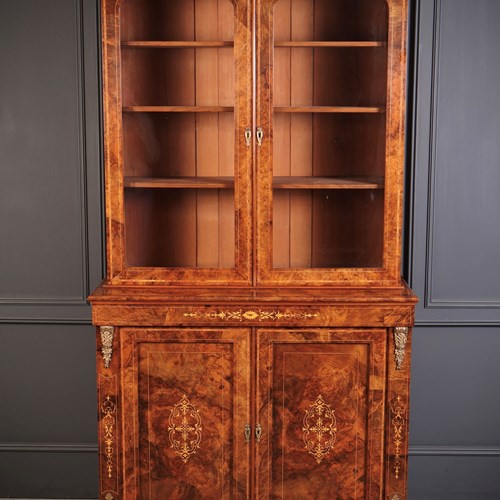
(330, 103)
(177, 100)
(320, 403)
(186, 403)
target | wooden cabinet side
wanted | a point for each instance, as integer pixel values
(109, 413)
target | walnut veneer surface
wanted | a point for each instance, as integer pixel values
(253, 331)
(331, 404)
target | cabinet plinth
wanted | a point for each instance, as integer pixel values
(254, 333)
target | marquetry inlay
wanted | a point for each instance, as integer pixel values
(398, 425)
(319, 429)
(251, 315)
(184, 428)
(396, 496)
(108, 409)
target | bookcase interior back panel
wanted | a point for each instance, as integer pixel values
(178, 76)
(332, 20)
(172, 20)
(180, 227)
(164, 145)
(329, 126)
(327, 228)
(329, 76)
(177, 66)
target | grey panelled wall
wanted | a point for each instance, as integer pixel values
(454, 250)
(50, 216)
(51, 248)
(456, 230)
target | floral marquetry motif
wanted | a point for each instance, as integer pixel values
(319, 429)
(108, 409)
(250, 315)
(184, 429)
(398, 425)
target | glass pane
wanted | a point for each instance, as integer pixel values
(330, 20)
(327, 228)
(180, 227)
(178, 132)
(329, 125)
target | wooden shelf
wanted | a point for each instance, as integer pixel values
(280, 182)
(180, 182)
(148, 44)
(178, 109)
(230, 109)
(330, 44)
(293, 182)
(329, 109)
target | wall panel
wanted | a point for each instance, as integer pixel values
(48, 474)
(454, 478)
(454, 250)
(50, 214)
(51, 253)
(455, 232)
(51, 248)
(455, 372)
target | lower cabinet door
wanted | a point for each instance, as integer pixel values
(185, 406)
(320, 405)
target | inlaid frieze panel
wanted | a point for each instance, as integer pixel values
(317, 315)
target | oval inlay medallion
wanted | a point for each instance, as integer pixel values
(184, 429)
(319, 429)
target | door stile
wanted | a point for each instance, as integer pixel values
(113, 136)
(264, 121)
(253, 409)
(263, 407)
(395, 134)
(243, 60)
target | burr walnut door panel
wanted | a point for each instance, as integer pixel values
(186, 403)
(320, 405)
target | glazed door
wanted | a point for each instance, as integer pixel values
(320, 404)
(186, 400)
(330, 103)
(178, 104)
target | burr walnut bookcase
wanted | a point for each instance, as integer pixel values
(253, 332)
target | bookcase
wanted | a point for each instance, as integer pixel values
(253, 331)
